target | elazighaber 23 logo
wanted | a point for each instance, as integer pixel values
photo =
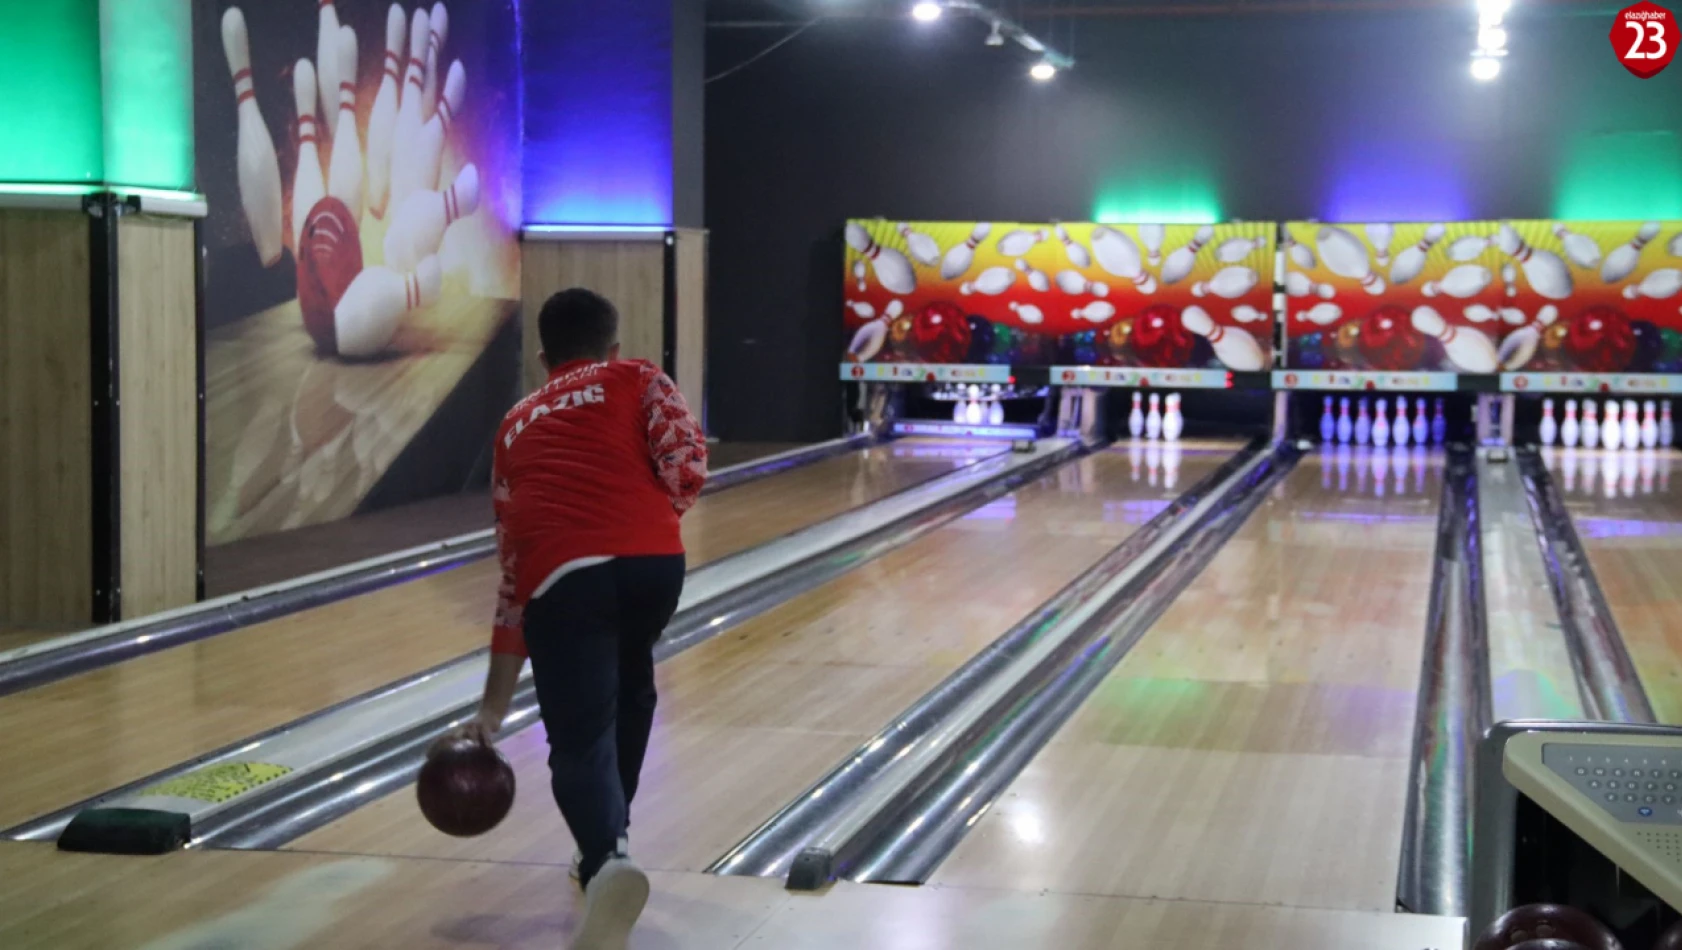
(1645, 37)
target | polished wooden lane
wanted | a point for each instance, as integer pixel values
(751, 718)
(1628, 513)
(195, 900)
(1254, 745)
(83, 735)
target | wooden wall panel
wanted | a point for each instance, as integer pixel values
(46, 558)
(158, 347)
(691, 297)
(629, 273)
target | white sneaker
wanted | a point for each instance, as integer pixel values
(612, 903)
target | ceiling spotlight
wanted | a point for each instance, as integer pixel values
(1485, 68)
(926, 11)
(1492, 39)
(1042, 71)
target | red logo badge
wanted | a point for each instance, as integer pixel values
(1644, 37)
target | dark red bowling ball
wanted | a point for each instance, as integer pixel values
(1526, 925)
(465, 788)
(1549, 944)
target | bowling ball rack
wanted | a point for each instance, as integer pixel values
(1585, 814)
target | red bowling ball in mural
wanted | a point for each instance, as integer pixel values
(1388, 340)
(941, 333)
(1159, 339)
(1599, 340)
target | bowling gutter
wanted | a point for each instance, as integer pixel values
(333, 761)
(62, 657)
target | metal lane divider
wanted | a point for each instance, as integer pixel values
(817, 836)
(237, 796)
(72, 654)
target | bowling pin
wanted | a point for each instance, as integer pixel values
(1380, 235)
(1363, 423)
(1478, 313)
(1152, 235)
(1328, 422)
(1632, 424)
(1623, 260)
(1074, 282)
(344, 169)
(992, 282)
(1520, 345)
(382, 122)
(327, 57)
(1675, 245)
(1028, 313)
(1346, 256)
(1153, 419)
(976, 413)
(1299, 285)
(1136, 418)
(1568, 431)
(958, 260)
(308, 186)
(1420, 427)
(1345, 425)
(1078, 255)
(996, 413)
(1399, 432)
(1244, 313)
(1299, 254)
(1235, 348)
(867, 342)
(1467, 280)
(1229, 282)
(437, 33)
(892, 270)
(1465, 347)
(1234, 250)
(864, 310)
(1036, 278)
(1411, 261)
(959, 410)
(1439, 424)
(1548, 429)
(1667, 429)
(1468, 248)
(1649, 424)
(1096, 312)
(430, 145)
(923, 248)
(368, 314)
(405, 132)
(1659, 285)
(259, 169)
(858, 274)
(1173, 423)
(1546, 273)
(1580, 248)
(1018, 243)
(1117, 254)
(417, 228)
(1180, 262)
(1591, 427)
(1611, 429)
(1380, 426)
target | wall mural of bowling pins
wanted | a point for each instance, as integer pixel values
(362, 169)
(1139, 295)
(1485, 296)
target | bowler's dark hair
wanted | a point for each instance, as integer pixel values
(577, 324)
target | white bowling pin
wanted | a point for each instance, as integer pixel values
(1363, 424)
(327, 64)
(1152, 235)
(1546, 273)
(1117, 254)
(892, 270)
(1136, 418)
(1399, 432)
(437, 34)
(1411, 261)
(1228, 282)
(1300, 255)
(1234, 250)
(1345, 425)
(1548, 429)
(1466, 348)
(1649, 424)
(1298, 284)
(1569, 433)
(1667, 428)
(1380, 236)
(1183, 259)
(382, 122)
(1346, 256)
(1467, 280)
(961, 256)
(430, 146)
(1173, 423)
(1244, 313)
(992, 282)
(1019, 242)
(864, 310)
(1153, 419)
(996, 413)
(1077, 254)
(1611, 429)
(923, 248)
(1380, 426)
(1509, 277)
(1074, 282)
(867, 342)
(959, 408)
(1591, 427)
(976, 413)
(417, 229)
(1328, 421)
(374, 304)
(1580, 248)
(1028, 313)
(259, 169)
(1632, 424)
(308, 185)
(1235, 348)
(1623, 260)
(1095, 312)
(1661, 284)
(344, 169)
(1439, 424)
(858, 274)
(1468, 248)
(1036, 278)
(406, 131)
(1421, 427)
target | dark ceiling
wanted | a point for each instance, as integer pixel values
(770, 12)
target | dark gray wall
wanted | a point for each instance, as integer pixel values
(1350, 116)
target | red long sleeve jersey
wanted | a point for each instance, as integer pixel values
(601, 461)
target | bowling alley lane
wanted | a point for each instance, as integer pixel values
(1254, 745)
(750, 719)
(1628, 514)
(88, 733)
